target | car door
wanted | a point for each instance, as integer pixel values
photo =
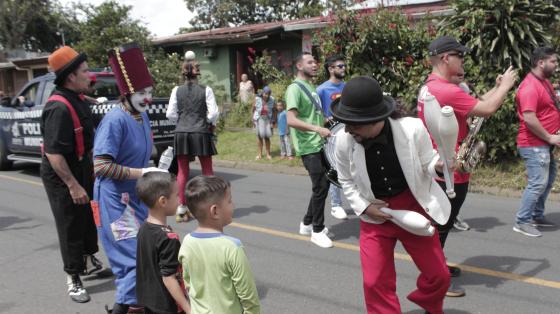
(25, 128)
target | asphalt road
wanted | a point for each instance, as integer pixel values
(503, 272)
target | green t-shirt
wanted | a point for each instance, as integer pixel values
(305, 142)
(218, 275)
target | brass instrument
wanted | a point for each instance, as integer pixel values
(471, 150)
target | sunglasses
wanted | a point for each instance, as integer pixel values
(340, 66)
(457, 54)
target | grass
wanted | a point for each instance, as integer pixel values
(241, 145)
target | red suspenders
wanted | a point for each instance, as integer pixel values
(78, 129)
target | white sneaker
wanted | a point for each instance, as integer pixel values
(338, 212)
(321, 238)
(182, 209)
(305, 229)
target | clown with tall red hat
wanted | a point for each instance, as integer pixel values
(122, 150)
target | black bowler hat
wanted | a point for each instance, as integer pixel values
(362, 102)
(444, 44)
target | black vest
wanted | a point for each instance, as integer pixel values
(192, 109)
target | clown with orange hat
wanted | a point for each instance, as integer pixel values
(67, 127)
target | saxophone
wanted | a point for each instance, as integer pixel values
(471, 150)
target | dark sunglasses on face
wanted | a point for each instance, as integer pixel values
(460, 55)
(340, 66)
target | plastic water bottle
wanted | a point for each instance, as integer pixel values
(166, 158)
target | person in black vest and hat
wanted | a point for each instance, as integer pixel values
(192, 106)
(400, 165)
(67, 169)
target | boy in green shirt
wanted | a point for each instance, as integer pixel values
(305, 117)
(215, 267)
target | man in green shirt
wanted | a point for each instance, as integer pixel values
(305, 117)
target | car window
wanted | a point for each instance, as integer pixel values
(106, 86)
(29, 95)
(49, 88)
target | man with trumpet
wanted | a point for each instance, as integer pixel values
(447, 59)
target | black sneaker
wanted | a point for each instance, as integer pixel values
(542, 222)
(76, 289)
(454, 271)
(91, 265)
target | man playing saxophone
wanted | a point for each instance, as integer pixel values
(447, 58)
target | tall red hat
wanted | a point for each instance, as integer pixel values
(130, 69)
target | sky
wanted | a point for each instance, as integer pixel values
(161, 17)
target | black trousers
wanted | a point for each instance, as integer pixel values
(316, 167)
(77, 234)
(461, 190)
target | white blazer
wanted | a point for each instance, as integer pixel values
(417, 158)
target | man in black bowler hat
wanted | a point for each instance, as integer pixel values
(400, 166)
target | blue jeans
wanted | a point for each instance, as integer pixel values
(541, 172)
(334, 192)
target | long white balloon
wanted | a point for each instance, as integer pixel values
(410, 221)
(442, 125)
(448, 131)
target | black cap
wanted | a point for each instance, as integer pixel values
(444, 44)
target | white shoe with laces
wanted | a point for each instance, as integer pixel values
(338, 212)
(321, 238)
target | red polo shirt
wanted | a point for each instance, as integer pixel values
(533, 96)
(449, 94)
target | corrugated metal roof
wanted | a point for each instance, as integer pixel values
(240, 34)
(254, 32)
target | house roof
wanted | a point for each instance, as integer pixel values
(30, 61)
(254, 32)
(241, 34)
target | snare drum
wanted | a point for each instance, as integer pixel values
(328, 151)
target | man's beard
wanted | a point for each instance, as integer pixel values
(339, 76)
(549, 71)
(310, 73)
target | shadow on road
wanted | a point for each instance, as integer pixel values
(344, 229)
(447, 311)
(241, 212)
(483, 224)
(8, 221)
(555, 218)
(226, 175)
(508, 264)
(262, 289)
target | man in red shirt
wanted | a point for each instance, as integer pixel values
(537, 108)
(447, 58)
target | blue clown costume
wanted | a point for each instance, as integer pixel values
(122, 142)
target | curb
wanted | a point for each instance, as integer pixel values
(290, 170)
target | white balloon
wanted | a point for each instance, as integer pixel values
(410, 221)
(189, 55)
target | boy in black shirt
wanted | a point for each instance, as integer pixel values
(158, 273)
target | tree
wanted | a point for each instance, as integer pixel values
(107, 26)
(15, 16)
(224, 13)
(498, 31)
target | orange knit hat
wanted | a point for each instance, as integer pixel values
(63, 61)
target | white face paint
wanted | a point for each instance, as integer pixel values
(141, 99)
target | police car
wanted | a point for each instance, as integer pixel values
(20, 133)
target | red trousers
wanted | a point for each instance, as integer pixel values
(377, 245)
(183, 174)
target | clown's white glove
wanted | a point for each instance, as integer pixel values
(152, 169)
